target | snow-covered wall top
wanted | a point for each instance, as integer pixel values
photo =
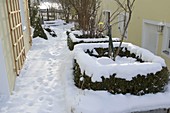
(97, 67)
(74, 39)
(54, 23)
(47, 5)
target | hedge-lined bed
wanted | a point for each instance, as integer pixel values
(75, 37)
(147, 74)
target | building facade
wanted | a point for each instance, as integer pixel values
(15, 41)
(149, 26)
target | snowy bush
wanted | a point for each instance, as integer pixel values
(75, 37)
(136, 70)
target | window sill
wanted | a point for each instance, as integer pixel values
(166, 53)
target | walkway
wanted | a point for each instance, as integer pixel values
(40, 87)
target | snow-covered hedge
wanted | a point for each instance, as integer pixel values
(73, 38)
(136, 71)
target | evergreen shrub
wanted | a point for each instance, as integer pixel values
(71, 44)
(139, 85)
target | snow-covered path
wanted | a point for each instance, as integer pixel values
(40, 87)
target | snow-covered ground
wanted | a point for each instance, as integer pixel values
(40, 88)
(46, 85)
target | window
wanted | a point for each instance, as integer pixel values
(21, 3)
(122, 18)
(166, 41)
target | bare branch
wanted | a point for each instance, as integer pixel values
(127, 9)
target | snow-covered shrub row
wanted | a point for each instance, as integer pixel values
(54, 23)
(73, 38)
(145, 73)
(139, 85)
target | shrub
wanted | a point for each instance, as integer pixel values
(71, 43)
(139, 85)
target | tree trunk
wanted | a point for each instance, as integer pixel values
(48, 14)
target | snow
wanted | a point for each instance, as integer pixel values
(46, 85)
(88, 101)
(105, 61)
(125, 68)
(74, 39)
(47, 5)
(39, 88)
(54, 23)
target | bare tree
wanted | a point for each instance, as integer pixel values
(66, 7)
(125, 8)
(87, 12)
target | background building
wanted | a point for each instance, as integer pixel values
(144, 29)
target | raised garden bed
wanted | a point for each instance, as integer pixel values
(75, 37)
(136, 71)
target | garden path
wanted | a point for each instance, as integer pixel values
(40, 87)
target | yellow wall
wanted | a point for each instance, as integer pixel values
(154, 10)
(6, 44)
(109, 5)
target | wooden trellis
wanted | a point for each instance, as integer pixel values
(16, 33)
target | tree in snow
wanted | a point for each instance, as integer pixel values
(35, 20)
(33, 8)
(38, 31)
(87, 12)
(67, 8)
(125, 8)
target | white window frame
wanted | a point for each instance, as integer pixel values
(121, 18)
(23, 15)
(151, 22)
(166, 40)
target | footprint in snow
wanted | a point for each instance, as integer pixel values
(25, 95)
(48, 90)
(35, 87)
(30, 103)
(40, 79)
(49, 108)
(45, 83)
(49, 74)
(50, 68)
(50, 101)
(50, 78)
(41, 99)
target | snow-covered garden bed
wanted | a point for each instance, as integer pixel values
(75, 37)
(135, 70)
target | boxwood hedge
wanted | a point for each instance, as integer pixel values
(71, 44)
(139, 85)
